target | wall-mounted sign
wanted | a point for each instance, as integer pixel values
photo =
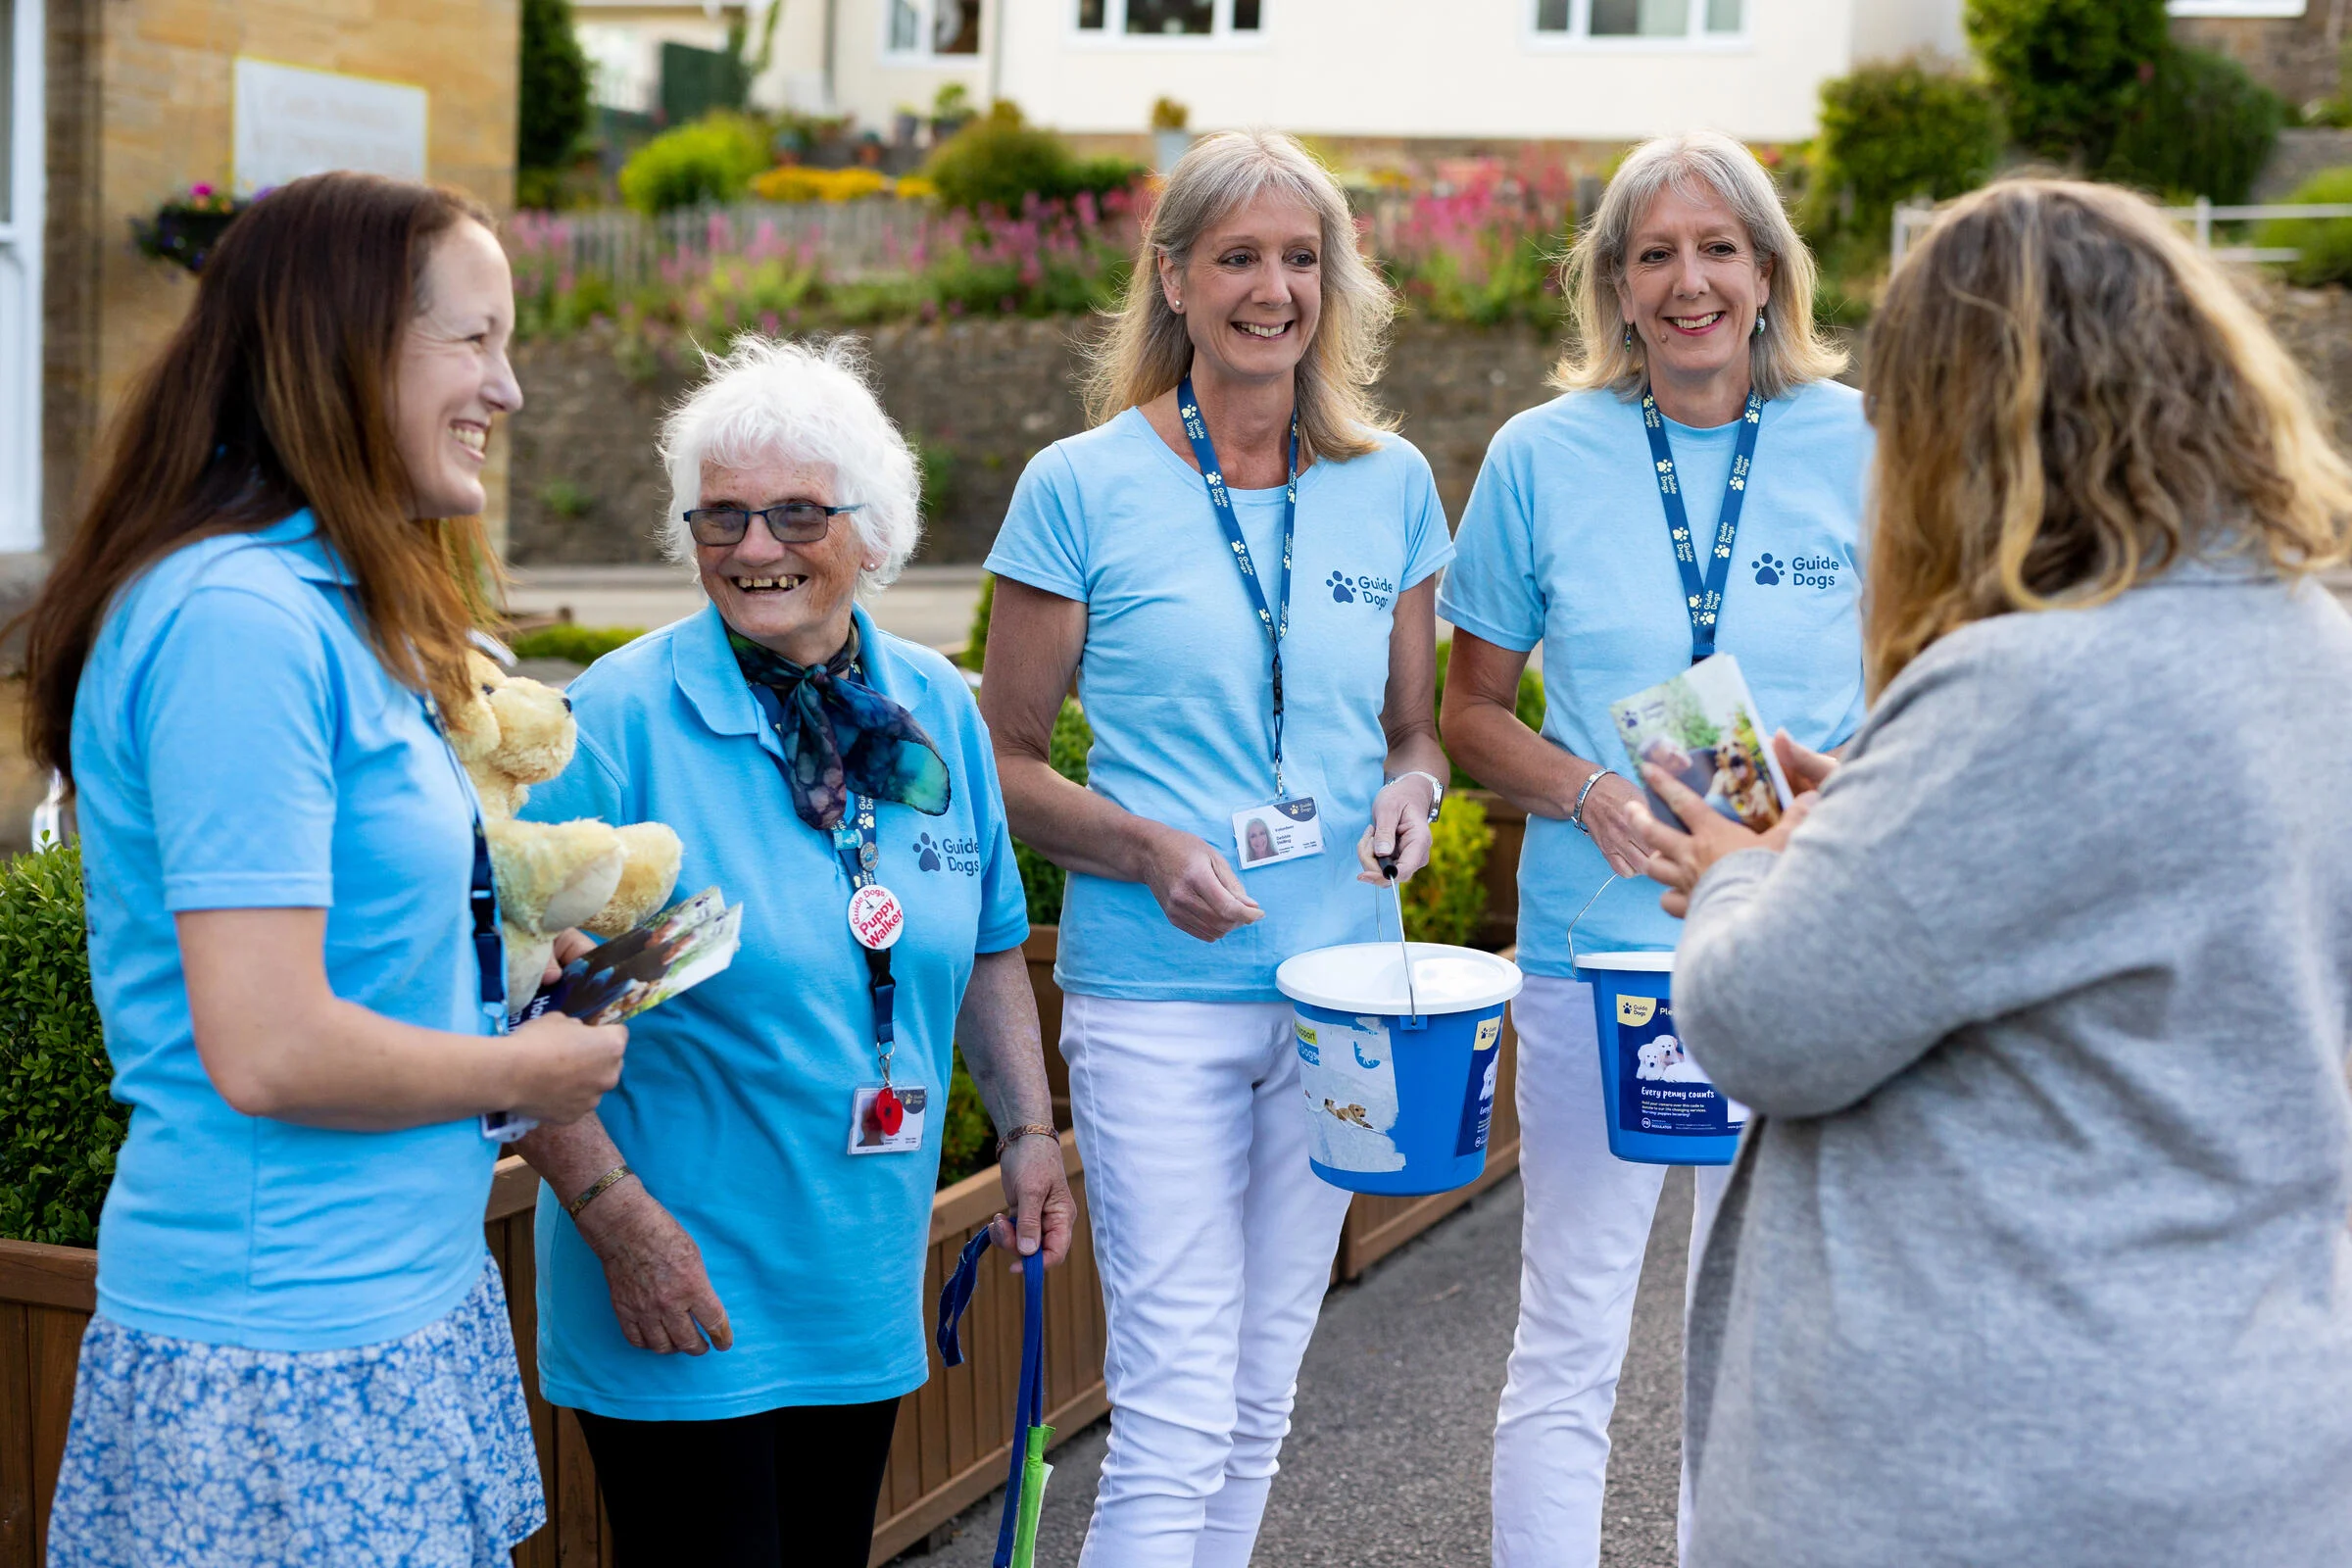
(292, 121)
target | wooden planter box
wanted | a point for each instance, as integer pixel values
(955, 1433)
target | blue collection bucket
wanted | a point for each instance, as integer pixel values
(1661, 1108)
(1398, 1104)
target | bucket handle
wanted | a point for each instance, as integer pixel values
(1580, 914)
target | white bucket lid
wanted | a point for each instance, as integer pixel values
(1368, 977)
(1647, 963)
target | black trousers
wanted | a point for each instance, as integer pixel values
(795, 1486)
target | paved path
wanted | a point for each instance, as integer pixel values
(1389, 1451)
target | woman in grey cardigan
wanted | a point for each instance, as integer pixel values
(2036, 1251)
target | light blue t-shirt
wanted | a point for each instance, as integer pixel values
(733, 1107)
(1177, 683)
(237, 745)
(1564, 542)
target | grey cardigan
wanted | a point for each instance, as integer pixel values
(2037, 1252)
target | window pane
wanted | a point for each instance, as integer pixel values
(905, 26)
(1090, 13)
(1169, 16)
(1551, 16)
(1244, 15)
(1723, 15)
(1644, 19)
(956, 28)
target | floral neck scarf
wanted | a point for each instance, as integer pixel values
(841, 735)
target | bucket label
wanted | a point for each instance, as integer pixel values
(1478, 1103)
(1350, 1086)
(1660, 1090)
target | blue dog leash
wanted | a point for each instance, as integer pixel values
(1029, 1407)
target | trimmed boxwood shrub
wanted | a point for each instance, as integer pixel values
(1445, 902)
(999, 161)
(2326, 242)
(713, 159)
(58, 1125)
(1890, 133)
(2204, 127)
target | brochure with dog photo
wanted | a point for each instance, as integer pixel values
(675, 951)
(1702, 727)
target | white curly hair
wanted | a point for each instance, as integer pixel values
(813, 403)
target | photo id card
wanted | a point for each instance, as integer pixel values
(1282, 830)
(887, 1127)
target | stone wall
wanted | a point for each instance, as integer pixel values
(2296, 57)
(982, 397)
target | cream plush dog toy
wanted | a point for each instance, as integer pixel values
(550, 875)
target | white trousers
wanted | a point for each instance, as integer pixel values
(1215, 1244)
(1587, 1226)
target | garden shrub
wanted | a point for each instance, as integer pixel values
(1447, 899)
(2204, 127)
(713, 159)
(579, 645)
(58, 1125)
(968, 1138)
(1893, 131)
(2326, 242)
(2069, 73)
(551, 90)
(797, 182)
(999, 161)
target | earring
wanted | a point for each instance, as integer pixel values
(1629, 334)
(1177, 306)
(1759, 320)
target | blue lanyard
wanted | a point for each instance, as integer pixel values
(854, 840)
(1029, 1403)
(1703, 597)
(1276, 627)
(481, 895)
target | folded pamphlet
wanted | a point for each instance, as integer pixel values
(1702, 727)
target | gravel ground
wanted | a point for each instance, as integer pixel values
(1387, 1457)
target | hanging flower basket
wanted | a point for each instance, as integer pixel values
(185, 229)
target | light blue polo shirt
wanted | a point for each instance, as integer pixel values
(236, 745)
(734, 1104)
(1176, 681)
(1564, 542)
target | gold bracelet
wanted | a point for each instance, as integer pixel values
(1025, 1130)
(596, 1190)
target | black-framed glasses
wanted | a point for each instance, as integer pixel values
(792, 522)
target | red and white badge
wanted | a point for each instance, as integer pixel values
(876, 918)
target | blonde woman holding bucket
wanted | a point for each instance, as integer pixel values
(1697, 356)
(1238, 564)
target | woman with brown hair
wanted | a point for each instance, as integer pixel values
(301, 1351)
(2036, 1249)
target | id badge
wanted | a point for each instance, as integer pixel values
(870, 1123)
(1279, 831)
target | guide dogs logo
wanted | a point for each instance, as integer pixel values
(1803, 571)
(1377, 592)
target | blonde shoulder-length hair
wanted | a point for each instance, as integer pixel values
(2070, 398)
(1147, 350)
(1700, 163)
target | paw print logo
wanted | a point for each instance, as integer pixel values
(1340, 593)
(1769, 569)
(926, 854)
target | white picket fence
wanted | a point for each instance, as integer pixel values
(868, 236)
(1914, 218)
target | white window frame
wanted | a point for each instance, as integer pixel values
(927, 28)
(1695, 39)
(1114, 34)
(21, 239)
(2237, 8)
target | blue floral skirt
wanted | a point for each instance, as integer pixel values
(416, 1451)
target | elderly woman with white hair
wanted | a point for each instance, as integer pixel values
(759, 1184)
(1237, 724)
(1697, 488)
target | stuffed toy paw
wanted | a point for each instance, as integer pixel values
(550, 876)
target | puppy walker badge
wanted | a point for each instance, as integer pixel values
(885, 1118)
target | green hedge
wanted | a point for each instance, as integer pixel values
(999, 161)
(2326, 242)
(579, 645)
(2205, 129)
(62, 1126)
(1445, 902)
(2069, 73)
(1890, 133)
(712, 159)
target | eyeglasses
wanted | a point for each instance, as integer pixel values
(792, 522)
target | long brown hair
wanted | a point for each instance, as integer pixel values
(273, 394)
(2070, 398)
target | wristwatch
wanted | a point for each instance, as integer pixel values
(1437, 788)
